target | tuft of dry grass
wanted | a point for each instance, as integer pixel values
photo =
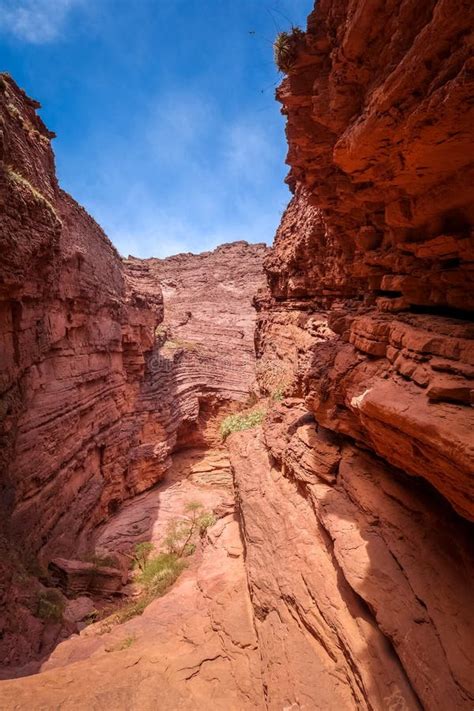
(21, 181)
(285, 49)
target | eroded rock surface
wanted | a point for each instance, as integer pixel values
(367, 322)
(195, 644)
(343, 577)
(203, 358)
(75, 334)
(95, 394)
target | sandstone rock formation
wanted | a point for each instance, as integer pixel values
(74, 338)
(76, 577)
(203, 358)
(339, 572)
(367, 322)
(94, 398)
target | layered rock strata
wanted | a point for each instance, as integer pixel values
(95, 394)
(203, 357)
(367, 322)
(352, 586)
(75, 335)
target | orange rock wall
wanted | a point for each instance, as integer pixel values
(95, 394)
(74, 338)
(355, 495)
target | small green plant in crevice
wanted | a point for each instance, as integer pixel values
(180, 540)
(18, 179)
(285, 48)
(126, 643)
(279, 393)
(141, 553)
(161, 330)
(241, 421)
(157, 572)
(50, 605)
(175, 343)
(160, 572)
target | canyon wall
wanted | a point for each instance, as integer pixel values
(75, 334)
(94, 393)
(349, 583)
(356, 495)
(203, 359)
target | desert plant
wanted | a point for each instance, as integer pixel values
(128, 612)
(141, 553)
(161, 330)
(205, 521)
(156, 573)
(175, 343)
(182, 532)
(160, 572)
(279, 393)
(241, 421)
(285, 49)
(50, 605)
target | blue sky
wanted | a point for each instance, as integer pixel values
(168, 131)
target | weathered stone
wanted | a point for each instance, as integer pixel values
(77, 576)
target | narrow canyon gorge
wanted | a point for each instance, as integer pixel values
(312, 401)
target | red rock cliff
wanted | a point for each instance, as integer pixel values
(203, 358)
(355, 496)
(379, 233)
(95, 395)
(359, 570)
(74, 335)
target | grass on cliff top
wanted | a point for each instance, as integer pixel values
(18, 179)
(285, 49)
(241, 421)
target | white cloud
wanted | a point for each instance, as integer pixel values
(144, 227)
(192, 180)
(35, 21)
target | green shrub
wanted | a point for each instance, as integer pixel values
(129, 611)
(183, 532)
(205, 521)
(160, 572)
(285, 49)
(161, 330)
(279, 393)
(50, 605)
(141, 553)
(241, 421)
